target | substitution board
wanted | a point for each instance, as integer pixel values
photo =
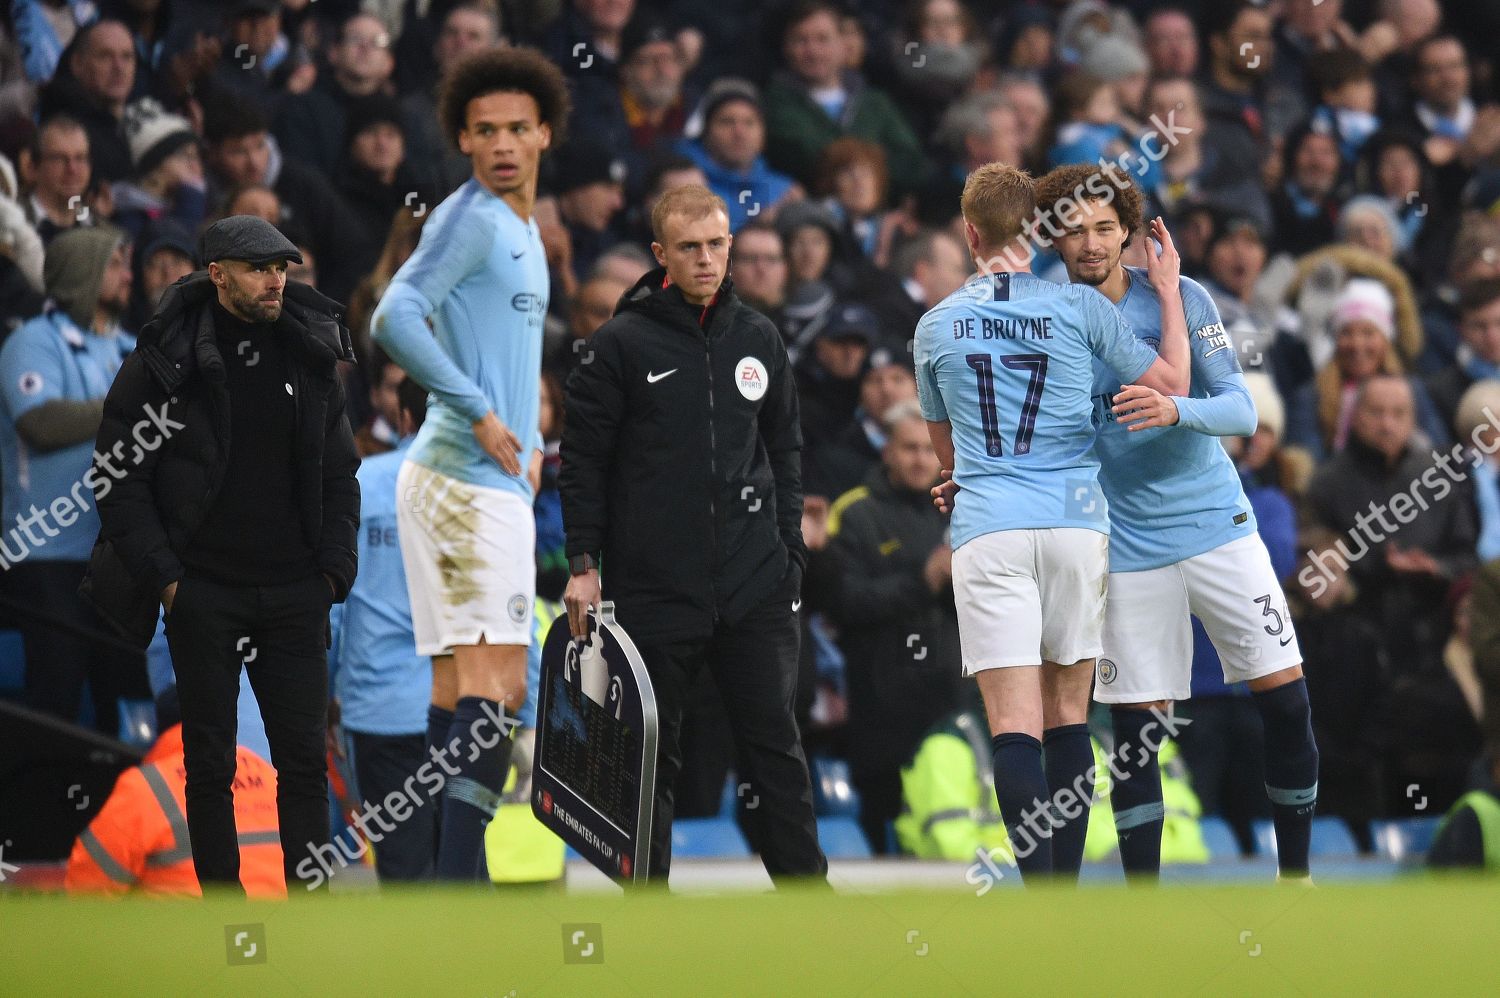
(594, 780)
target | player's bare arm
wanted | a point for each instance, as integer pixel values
(942, 443)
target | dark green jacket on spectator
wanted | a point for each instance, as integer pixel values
(798, 130)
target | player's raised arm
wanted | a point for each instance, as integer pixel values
(1172, 371)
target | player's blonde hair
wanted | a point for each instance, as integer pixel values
(691, 200)
(998, 200)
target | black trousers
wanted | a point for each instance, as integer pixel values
(60, 659)
(280, 634)
(754, 665)
(382, 765)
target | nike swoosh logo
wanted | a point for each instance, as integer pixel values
(652, 377)
(1287, 641)
(516, 256)
(796, 605)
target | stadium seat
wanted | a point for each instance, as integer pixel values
(729, 800)
(833, 793)
(12, 663)
(1405, 838)
(1219, 838)
(1330, 837)
(707, 838)
(842, 838)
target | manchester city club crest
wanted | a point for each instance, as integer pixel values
(1107, 671)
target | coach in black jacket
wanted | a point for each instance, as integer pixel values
(225, 477)
(681, 476)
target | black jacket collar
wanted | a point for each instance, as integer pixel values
(666, 304)
(179, 338)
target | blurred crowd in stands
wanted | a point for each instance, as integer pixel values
(1330, 170)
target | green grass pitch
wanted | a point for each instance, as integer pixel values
(1417, 936)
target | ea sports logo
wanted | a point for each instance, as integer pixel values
(1107, 671)
(750, 378)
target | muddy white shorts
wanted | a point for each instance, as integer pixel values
(470, 558)
(1029, 596)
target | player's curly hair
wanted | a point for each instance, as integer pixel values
(514, 69)
(1070, 185)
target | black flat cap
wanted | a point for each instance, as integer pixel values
(248, 238)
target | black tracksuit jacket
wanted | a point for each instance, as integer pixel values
(681, 462)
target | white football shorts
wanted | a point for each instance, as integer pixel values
(1029, 596)
(1148, 638)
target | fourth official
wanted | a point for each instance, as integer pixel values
(681, 479)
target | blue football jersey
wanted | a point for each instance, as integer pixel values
(1173, 492)
(1008, 361)
(479, 274)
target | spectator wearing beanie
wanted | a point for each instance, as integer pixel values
(830, 371)
(167, 254)
(644, 109)
(1121, 64)
(168, 179)
(726, 138)
(589, 181)
(1368, 222)
(1364, 330)
(377, 181)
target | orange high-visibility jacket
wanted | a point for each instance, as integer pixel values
(139, 840)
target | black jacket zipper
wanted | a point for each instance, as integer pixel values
(713, 479)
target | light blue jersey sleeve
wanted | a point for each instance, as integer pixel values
(931, 400)
(32, 372)
(1112, 341)
(445, 255)
(1228, 411)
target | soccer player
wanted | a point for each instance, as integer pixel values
(1183, 538)
(1005, 374)
(464, 520)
